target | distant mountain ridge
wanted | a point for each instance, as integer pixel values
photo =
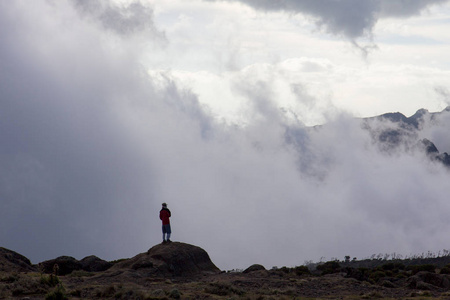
(415, 120)
(319, 148)
(407, 129)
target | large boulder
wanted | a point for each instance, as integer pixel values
(172, 259)
(182, 259)
(254, 268)
(65, 265)
(11, 261)
(94, 264)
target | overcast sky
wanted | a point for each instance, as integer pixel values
(109, 108)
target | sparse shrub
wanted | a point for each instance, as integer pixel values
(329, 267)
(421, 294)
(17, 291)
(57, 294)
(399, 266)
(50, 280)
(388, 266)
(395, 267)
(175, 294)
(75, 293)
(302, 270)
(421, 268)
(361, 274)
(23, 284)
(219, 289)
(377, 275)
(222, 289)
(10, 278)
(107, 291)
(401, 276)
(81, 273)
(445, 270)
(118, 260)
(372, 295)
(158, 293)
(388, 284)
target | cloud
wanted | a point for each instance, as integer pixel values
(405, 8)
(92, 144)
(125, 20)
(352, 19)
(443, 93)
(68, 152)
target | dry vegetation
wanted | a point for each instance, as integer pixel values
(136, 278)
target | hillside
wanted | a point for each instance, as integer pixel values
(183, 271)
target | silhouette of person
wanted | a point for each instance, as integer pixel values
(164, 215)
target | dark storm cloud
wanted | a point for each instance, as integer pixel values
(349, 18)
(405, 8)
(67, 159)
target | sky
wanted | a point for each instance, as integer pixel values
(109, 108)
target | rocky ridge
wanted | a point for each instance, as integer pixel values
(172, 259)
(398, 130)
(182, 271)
(11, 261)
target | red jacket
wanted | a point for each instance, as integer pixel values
(164, 215)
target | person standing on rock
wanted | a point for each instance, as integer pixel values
(164, 215)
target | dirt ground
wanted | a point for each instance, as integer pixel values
(254, 285)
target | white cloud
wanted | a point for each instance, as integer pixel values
(94, 141)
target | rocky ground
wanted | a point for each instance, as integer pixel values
(182, 271)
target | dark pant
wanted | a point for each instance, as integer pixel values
(166, 229)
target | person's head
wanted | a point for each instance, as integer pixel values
(164, 204)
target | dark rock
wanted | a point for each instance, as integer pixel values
(182, 259)
(11, 261)
(141, 262)
(66, 265)
(428, 281)
(394, 117)
(254, 268)
(432, 151)
(417, 118)
(430, 147)
(94, 264)
(177, 259)
(444, 158)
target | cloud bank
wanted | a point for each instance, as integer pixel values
(349, 18)
(92, 144)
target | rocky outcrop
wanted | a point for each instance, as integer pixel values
(433, 152)
(253, 268)
(429, 281)
(172, 259)
(65, 265)
(11, 261)
(94, 264)
(68, 264)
